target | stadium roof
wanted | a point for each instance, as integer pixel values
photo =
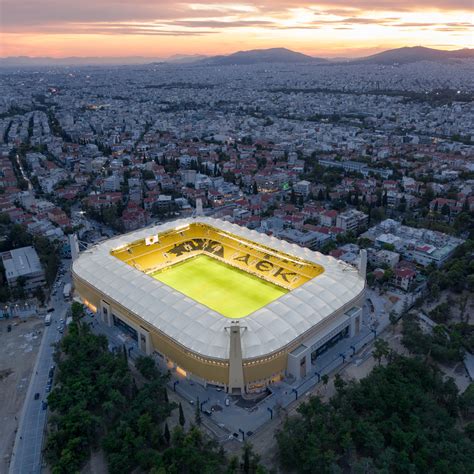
(201, 329)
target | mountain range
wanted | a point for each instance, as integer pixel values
(416, 54)
(255, 56)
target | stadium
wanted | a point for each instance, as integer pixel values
(222, 304)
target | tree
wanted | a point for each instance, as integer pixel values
(381, 349)
(166, 434)
(250, 460)
(445, 210)
(293, 196)
(339, 383)
(182, 420)
(147, 367)
(197, 413)
(393, 318)
(39, 294)
(370, 426)
(77, 311)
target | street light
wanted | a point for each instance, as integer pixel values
(271, 413)
(318, 375)
(174, 385)
(295, 392)
(243, 434)
(204, 402)
(343, 357)
(353, 351)
(375, 332)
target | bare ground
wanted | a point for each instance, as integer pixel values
(18, 351)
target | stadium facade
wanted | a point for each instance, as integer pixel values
(320, 302)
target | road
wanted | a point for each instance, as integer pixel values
(27, 450)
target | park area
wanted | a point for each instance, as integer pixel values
(221, 287)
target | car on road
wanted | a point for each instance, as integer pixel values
(37, 395)
(191, 402)
(227, 402)
(44, 405)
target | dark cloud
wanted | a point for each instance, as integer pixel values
(181, 17)
(222, 24)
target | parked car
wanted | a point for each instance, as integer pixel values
(44, 405)
(37, 395)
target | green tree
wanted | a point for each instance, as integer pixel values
(381, 350)
(77, 311)
(197, 413)
(166, 434)
(371, 426)
(147, 367)
(182, 420)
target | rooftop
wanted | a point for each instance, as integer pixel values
(21, 262)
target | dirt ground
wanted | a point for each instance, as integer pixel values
(18, 350)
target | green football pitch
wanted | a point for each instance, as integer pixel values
(221, 287)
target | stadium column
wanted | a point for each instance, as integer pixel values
(363, 263)
(236, 370)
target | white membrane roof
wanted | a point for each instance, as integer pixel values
(201, 329)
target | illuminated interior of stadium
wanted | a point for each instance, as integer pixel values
(229, 280)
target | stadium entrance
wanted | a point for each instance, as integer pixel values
(125, 327)
(327, 345)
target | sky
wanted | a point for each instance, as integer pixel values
(162, 28)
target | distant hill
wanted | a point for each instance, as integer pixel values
(184, 58)
(27, 61)
(415, 54)
(258, 56)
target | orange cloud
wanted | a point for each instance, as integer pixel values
(66, 27)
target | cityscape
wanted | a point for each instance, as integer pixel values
(237, 257)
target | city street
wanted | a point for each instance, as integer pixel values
(27, 450)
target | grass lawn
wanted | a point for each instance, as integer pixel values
(225, 289)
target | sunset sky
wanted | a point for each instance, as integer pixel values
(160, 28)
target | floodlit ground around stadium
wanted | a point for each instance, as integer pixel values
(221, 287)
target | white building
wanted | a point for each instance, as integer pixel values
(23, 263)
(351, 220)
